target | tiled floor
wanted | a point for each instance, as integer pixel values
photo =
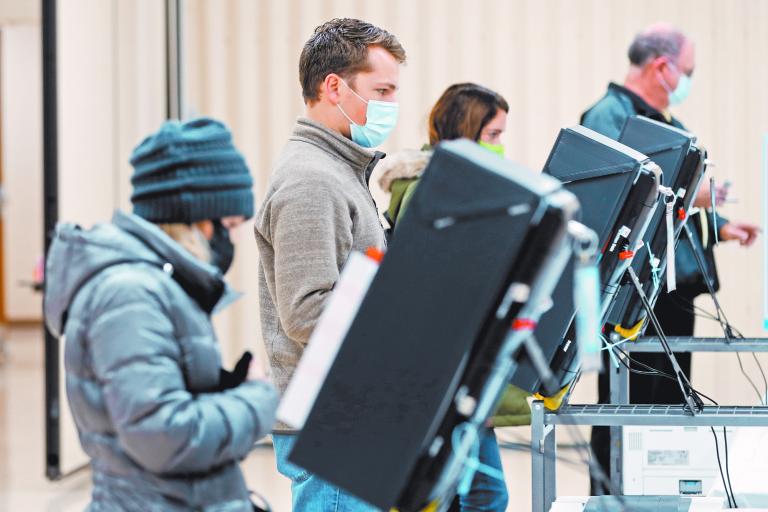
(23, 486)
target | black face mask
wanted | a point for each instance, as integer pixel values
(222, 249)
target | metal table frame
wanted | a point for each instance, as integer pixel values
(619, 413)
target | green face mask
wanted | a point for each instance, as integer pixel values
(493, 148)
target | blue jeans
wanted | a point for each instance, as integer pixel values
(486, 493)
(308, 492)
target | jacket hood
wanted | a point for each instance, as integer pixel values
(404, 164)
(76, 255)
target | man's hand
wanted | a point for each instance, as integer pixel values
(744, 232)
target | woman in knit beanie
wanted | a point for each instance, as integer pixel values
(165, 427)
(191, 181)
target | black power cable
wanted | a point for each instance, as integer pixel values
(765, 380)
(728, 469)
(728, 329)
(730, 333)
(720, 465)
(751, 382)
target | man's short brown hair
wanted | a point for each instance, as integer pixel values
(341, 46)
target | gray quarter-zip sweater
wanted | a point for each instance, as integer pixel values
(318, 209)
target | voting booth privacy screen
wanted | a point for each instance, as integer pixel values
(683, 164)
(481, 239)
(617, 188)
(484, 250)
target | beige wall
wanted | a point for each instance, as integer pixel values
(111, 94)
(549, 59)
(19, 11)
(22, 161)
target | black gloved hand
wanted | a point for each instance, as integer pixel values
(229, 380)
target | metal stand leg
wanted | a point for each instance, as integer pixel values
(537, 456)
(697, 253)
(543, 460)
(619, 385)
(692, 400)
(550, 466)
(696, 249)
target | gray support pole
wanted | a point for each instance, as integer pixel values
(537, 457)
(50, 218)
(619, 385)
(550, 466)
(173, 63)
(543, 460)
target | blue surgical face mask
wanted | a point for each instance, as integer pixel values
(381, 118)
(681, 91)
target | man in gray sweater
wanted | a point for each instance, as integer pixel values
(318, 207)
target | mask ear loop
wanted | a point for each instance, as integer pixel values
(663, 82)
(353, 91)
(338, 105)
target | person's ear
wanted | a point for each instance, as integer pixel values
(332, 88)
(658, 64)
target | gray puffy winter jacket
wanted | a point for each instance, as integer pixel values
(142, 369)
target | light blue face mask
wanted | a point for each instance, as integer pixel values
(381, 118)
(682, 90)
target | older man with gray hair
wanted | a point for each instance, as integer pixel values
(662, 61)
